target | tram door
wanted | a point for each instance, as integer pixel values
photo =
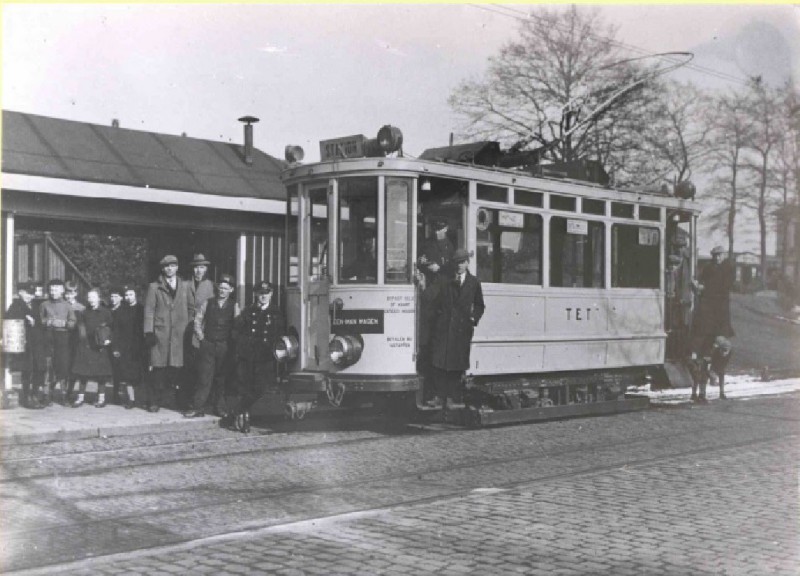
(308, 294)
(679, 272)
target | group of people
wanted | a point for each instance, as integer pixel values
(451, 306)
(189, 334)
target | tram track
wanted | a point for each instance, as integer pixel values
(264, 437)
(261, 526)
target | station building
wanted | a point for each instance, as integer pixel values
(164, 194)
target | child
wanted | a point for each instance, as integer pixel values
(92, 361)
(57, 318)
(32, 363)
(127, 343)
(720, 355)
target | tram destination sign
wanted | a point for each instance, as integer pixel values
(357, 322)
(346, 147)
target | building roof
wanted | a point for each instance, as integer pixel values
(56, 148)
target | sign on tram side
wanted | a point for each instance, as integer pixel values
(346, 147)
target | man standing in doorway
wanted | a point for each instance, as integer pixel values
(457, 310)
(166, 315)
(200, 290)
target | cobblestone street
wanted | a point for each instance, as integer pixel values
(682, 490)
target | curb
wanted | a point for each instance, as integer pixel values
(22, 438)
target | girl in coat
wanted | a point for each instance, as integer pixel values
(92, 359)
(127, 343)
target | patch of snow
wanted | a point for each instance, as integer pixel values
(741, 387)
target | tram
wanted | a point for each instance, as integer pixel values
(581, 281)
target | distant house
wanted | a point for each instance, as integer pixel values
(173, 194)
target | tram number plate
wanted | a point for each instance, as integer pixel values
(577, 227)
(357, 322)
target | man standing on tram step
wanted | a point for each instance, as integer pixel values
(200, 290)
(256, 331)
(457, 310)
(58, 319)
(166, 315)
(435, 263)
(213, 326)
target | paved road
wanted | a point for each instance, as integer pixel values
(687, 490)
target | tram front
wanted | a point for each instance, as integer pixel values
(351, 298)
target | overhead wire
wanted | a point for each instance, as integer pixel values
(524, 16)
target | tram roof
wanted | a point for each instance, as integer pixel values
(489, 175)
(57, 148)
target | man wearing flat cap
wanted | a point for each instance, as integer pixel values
(166, 315)
(712, 316)
(457, 310)
(213, 327)
(200, 289)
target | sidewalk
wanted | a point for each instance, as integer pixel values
(23, 426)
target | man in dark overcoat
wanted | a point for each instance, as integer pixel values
(166, 315)
(712, 316)
(457, 310)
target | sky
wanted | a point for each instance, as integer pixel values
(313, 72)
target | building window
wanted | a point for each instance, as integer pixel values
(509, 247)
(635, 254)
(357, 224)
(577, 253)
(398, 230)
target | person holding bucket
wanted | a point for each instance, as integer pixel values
(23, 341)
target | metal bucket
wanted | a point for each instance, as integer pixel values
(13, 336)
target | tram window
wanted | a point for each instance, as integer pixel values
(509, 247)
(291, 235)
(492, 193)
(527, 198)
(592, 206)
(318, 262)
(635, 256)
(565, 203)
(577, 253)
(357, 224)
(621, 210)
(652, 213)
(398, 231)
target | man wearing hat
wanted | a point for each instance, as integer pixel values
(457, 310)
(200, 289)
(213, 327)
(712, 316)
(256, 331)
(166, 315)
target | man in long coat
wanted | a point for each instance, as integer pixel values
(712, 317)
(200, 289)
(457, 309)
(166, 316)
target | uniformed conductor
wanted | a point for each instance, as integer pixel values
(256, 331)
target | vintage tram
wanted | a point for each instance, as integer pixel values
(581, 281)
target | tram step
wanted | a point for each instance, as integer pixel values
(489, 417)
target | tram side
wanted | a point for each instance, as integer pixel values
(575, 279)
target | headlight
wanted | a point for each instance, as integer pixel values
(286, 349)
(346, 350)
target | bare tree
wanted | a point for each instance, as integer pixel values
(731, 133)
(786, 173)
(764, 109)
(541, 87)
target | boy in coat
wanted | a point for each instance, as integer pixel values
(58, 319)
(457, 310)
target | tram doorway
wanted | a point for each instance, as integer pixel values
(442, 201)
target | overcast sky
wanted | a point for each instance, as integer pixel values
(315, 72)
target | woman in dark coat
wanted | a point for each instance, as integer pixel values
(33, 362)
(92, 358)
(127, 343)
